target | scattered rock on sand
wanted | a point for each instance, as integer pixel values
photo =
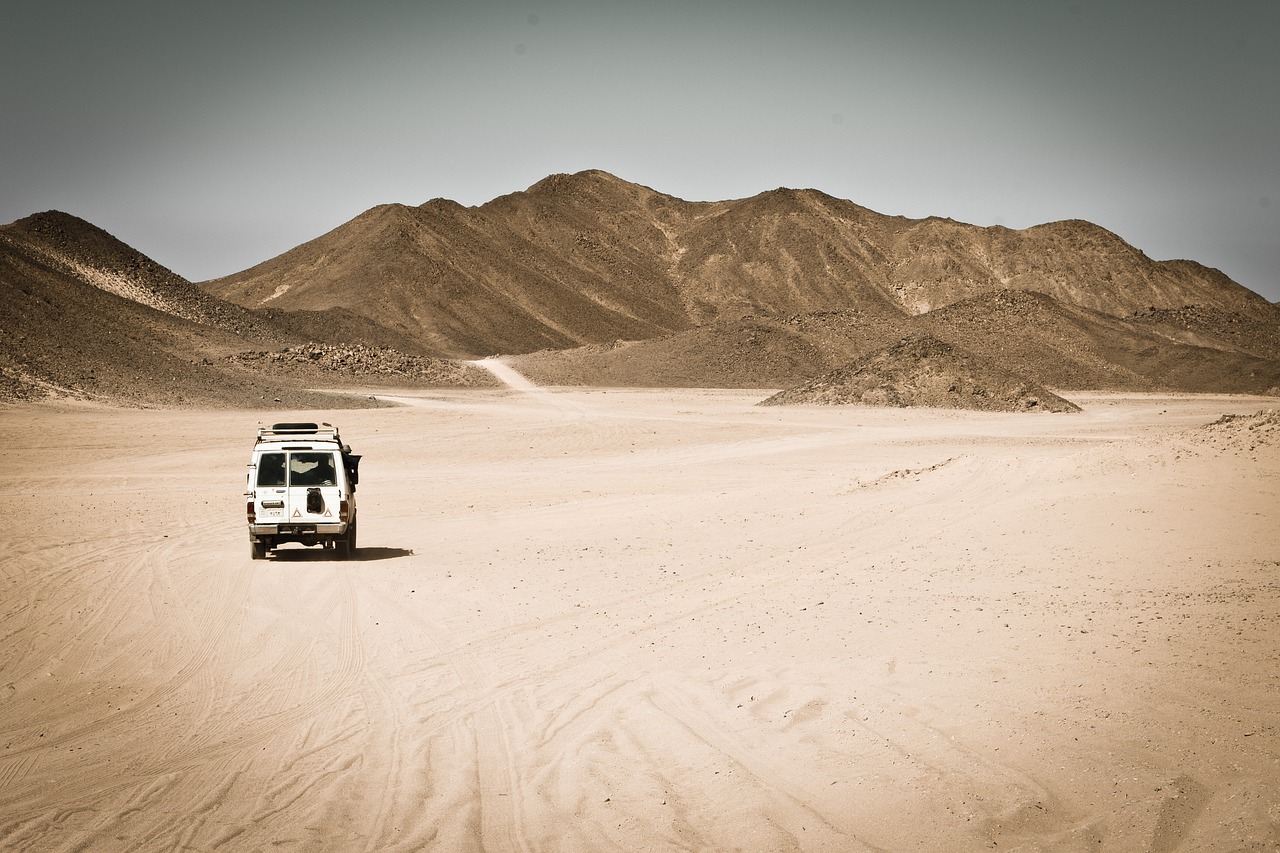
(358, 360)
(921, 370)
(1242, 433)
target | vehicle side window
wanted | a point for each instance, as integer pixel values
(312, 469)
(271, 469)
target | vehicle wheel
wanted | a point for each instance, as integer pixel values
(257, 549)
(347, 544)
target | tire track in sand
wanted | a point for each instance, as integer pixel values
(489, 714)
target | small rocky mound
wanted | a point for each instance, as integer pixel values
(1247, 434)
(926, 372)
(338, 362)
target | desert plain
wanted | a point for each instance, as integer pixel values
(596, 619)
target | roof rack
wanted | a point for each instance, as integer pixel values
(282, 432)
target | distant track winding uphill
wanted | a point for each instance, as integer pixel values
(506, 373)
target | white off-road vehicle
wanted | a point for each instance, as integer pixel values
(302, 488)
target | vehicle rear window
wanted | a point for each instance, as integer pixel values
(302, 469)
(271, 469)
(312, 469)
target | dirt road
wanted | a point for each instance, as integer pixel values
(659, 620)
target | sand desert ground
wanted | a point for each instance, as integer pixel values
(649, 620)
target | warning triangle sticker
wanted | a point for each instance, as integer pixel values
(328, 514)
(297, 513)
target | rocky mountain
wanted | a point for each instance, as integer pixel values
(519, 274)
(590, 259)
(588, 279)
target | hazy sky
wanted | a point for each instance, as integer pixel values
(213, 136)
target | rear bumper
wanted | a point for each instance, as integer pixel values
(272, 535)
(297, 529)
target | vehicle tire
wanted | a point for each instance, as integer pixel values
(257, 550)
(347, 544)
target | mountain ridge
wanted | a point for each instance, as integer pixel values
(589, 258)
(589, 279)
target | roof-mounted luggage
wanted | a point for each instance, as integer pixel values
(278, 432)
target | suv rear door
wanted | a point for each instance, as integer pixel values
(314, 487)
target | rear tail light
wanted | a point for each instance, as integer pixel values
(344, 509)
(249, 511)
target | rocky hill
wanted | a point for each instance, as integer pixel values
(922, 371)
(590, 259)
(84, 316)
(1031, 334)
(1073, 347)
(58, 245)
(747, 353)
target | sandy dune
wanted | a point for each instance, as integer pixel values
(648, 620)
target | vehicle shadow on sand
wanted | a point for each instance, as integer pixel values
(326, 555)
